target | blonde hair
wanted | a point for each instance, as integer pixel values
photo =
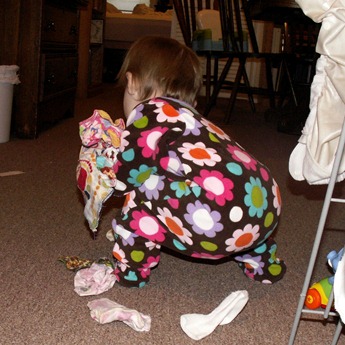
(163, 64)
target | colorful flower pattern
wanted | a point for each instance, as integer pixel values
(191, 188)
(96, 175)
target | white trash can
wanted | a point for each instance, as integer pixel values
(8, 77)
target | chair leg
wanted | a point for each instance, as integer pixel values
(269, 80)
(208, 78)
(287, 71)
(217, 87)
(249, 91)
(337, 332)
(240, 73)
(215, 72)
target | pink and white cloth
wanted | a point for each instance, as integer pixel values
(104, 310)
(94, 280)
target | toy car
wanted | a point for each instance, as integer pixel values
(318, 294)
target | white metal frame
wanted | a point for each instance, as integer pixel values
(324, 213)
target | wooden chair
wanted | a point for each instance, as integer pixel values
(237, 25)
(186, 11)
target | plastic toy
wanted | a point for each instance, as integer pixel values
(318, 294)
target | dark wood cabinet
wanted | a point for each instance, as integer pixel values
(59, 26)
(58, 45)
(47, 55)
(91, 49)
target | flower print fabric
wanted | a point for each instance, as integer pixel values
(190, 188)
(100, 138)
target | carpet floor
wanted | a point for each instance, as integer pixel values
(42, 219)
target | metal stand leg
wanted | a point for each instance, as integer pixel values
(319, 233)
(337, 333)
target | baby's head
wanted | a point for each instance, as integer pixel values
(158, 66)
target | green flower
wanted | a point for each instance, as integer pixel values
(256, 197)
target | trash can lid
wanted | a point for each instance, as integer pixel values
(8, 74)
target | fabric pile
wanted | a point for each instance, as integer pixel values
(96, 277)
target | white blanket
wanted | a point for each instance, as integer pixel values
(313, 157)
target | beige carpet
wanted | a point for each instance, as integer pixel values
(41, 217)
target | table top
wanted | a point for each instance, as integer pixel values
(281, 3)
(274, 3)
(275, 10)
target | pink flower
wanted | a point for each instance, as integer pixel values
(243, 157)
(151, 262)
(218, 187)
(149, 141)
(147, 226)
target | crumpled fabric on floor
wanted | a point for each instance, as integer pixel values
(94, 280)
(198, 326)
(104, 311)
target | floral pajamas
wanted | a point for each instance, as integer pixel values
(194, 190)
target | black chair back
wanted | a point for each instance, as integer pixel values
(237, 26)
(186, 11)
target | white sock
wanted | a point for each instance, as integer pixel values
(198, 326)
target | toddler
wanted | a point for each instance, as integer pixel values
(189, 187)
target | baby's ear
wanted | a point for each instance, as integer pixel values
(132, 86)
